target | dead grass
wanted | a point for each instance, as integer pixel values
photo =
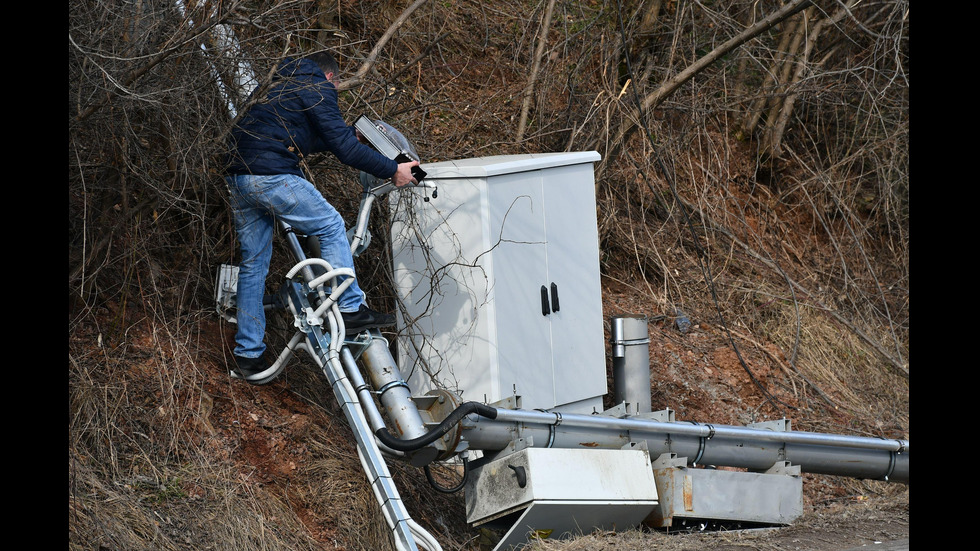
(839, 371)
(804, 257)
(864, 519)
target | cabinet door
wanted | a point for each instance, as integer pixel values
(573, 275)
(519, 266)
(437, 248)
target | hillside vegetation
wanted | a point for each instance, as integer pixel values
(754, 179)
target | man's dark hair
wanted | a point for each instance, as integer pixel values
(325, 62)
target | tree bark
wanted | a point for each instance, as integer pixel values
(654, 99)
(783, 50)
(372, 57)
(772, 144)
(538, 54)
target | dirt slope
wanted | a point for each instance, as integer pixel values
(792, 269)
(284, 454)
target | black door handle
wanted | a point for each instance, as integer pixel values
(554, 297)
(544, 301)
(521, 475)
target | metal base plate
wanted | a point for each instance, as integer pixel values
(560, 519)
(709, 494)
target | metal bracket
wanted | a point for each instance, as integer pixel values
(357, 344)
(779, 425)
(663, 416)
(669, 461)
(311, 318)
(641, 445)
(784, 468)
(226, 292)
(300, 307)
(620, 411)
(510, 402)
(522, 443)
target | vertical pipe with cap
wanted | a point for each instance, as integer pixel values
(631, 362)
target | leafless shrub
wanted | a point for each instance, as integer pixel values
(807, 243)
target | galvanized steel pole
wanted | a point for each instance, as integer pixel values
(702, 444)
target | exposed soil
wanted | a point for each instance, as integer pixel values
(165, 445)
(274, 434)
(291, 448)
(881, 524)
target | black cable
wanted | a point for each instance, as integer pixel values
(454, 489)
(449, 422)
(701, 254)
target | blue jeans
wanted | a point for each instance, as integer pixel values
(258, 202)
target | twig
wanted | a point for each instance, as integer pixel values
(898, 367)
(667, 88)
(425, 51)
(372, 57)
(538, 54)
(789, 370)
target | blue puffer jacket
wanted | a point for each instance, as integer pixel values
(299, 116)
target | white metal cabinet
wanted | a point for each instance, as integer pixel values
(470, 266)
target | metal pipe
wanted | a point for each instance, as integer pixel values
(364, 214)
(328, 358)
(394, 393)
(702, 444)
(631, 362)
(362, 389)
(325, 346)
(292, 242)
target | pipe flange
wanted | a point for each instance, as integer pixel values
(440, 408)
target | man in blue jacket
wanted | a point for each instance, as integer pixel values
(298, 116)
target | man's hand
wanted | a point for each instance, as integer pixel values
(403, 176)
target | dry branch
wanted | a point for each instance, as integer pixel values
(372, 57)
(173, 45)
(538, 54)
(773, 142)
(654, 99)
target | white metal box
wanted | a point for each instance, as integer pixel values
(708, 494)
(498, 281)
(550, 492)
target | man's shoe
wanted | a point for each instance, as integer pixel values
(366, 318)
(256, 371)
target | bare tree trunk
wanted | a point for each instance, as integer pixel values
(192, 34)
(773, 140)
(326, 20)
(372, 57)
(786, 76)
(649, 19)
(651, 16)
(538, 54)
(667, 88)
(783, 50)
